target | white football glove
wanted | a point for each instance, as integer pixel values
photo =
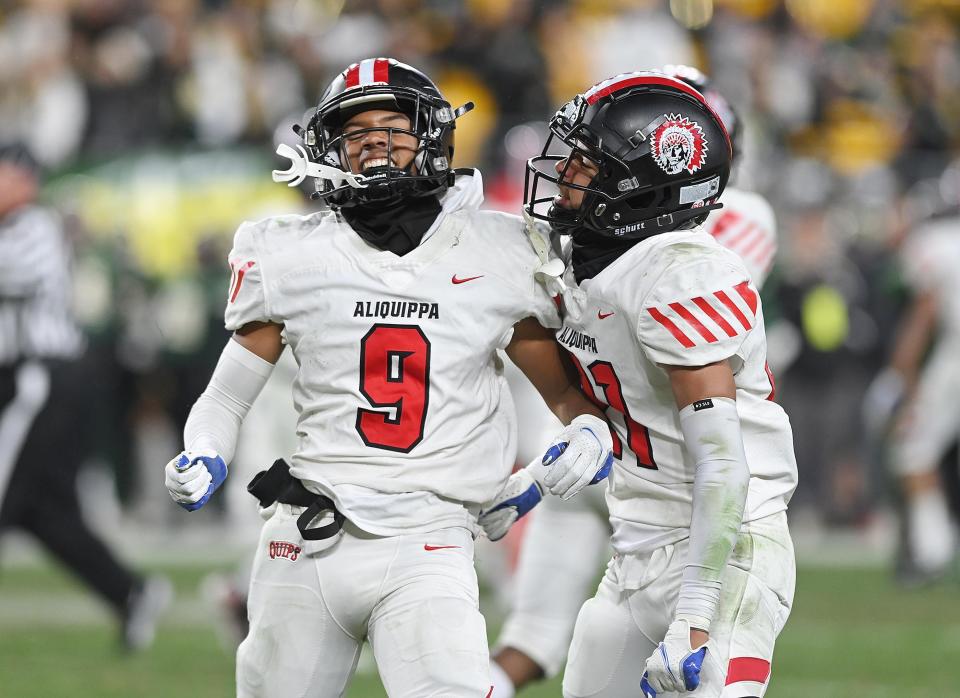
(674, 665)
(581, 455)
(193, 476)
(521, 494)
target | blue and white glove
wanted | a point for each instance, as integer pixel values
(521, 494)
(674, 665)
(581, 455)
(193, 476)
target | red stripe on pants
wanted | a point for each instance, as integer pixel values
(748, 669)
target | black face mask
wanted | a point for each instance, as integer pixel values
(592, 253)
(397, 228)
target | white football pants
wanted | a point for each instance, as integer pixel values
(413, 596)
(619, 628)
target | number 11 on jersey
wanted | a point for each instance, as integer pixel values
(638, 437)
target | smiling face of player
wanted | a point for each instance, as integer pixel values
(580, 171)
(367, 142)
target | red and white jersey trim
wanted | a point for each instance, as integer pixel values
(372, 71)
(749, 240)
(237, 272)
(703, 319)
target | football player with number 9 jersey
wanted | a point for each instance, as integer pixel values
(394, 302)
(666, 330)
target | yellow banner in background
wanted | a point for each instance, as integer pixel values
(161, 205)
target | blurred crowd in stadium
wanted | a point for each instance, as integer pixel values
(156, 120)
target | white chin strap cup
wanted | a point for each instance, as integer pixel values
(301, 167)
(550, 271)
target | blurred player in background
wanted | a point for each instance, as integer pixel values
(922, 380)
(667, 330)
(746, 224)
(43, 388)
(566, 540)
(394, 303)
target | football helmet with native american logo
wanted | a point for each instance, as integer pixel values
(662, 153)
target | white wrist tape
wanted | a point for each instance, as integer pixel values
(214, 421)
(712, 437)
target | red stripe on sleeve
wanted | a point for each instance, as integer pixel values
(772, 397)
(705, 306)
(727, 301)
(763, 253)
(740, 235)
(668, 323)
(748, 669)
(751, 243)
(240, 274)
(353, 75)
(748, 294)
(694, 322)
(381, 70)
(727, 220)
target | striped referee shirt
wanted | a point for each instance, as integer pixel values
(36, 318)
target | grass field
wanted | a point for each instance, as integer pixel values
(852, 635)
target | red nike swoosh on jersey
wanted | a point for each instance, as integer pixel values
(603, 316)
(463, 281)
(428, 547)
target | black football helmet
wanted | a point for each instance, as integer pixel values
(663, 157)
(382, 83)
(704, 85)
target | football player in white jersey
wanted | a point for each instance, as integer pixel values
(920, 385)
(666, 329)
(565, 540)
(394, 303)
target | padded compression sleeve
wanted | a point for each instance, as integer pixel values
(711, 434)
(214, 421)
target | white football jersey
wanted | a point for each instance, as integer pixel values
(931, 257)
(747, 225)
(398, 389)
(674, 299)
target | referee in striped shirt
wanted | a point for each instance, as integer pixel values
(42, 410)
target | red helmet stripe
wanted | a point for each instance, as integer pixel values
(352, 76)
(381, 70)
(608, 87)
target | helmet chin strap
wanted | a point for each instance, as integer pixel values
(668, 222)
(302, 167)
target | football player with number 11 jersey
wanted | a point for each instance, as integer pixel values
(666, 330)
(565, 542)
